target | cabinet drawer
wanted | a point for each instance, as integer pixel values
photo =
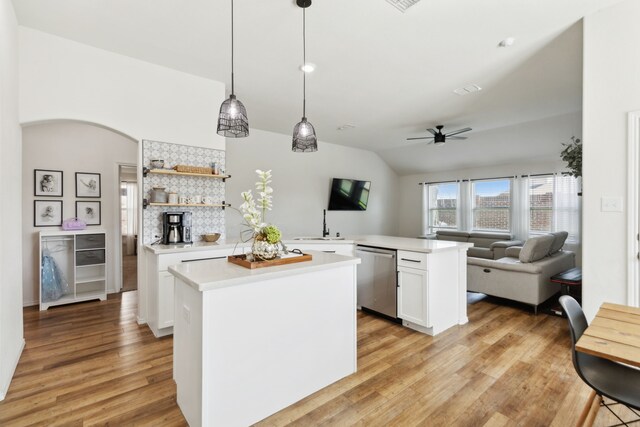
(90, 241)
(413, 259)
(90, 257)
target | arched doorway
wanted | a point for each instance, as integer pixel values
(72, 147)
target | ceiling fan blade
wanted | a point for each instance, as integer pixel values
(422, 137)
(456, 138)
(458, 131)
(432, 131)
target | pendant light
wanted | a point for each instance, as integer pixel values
(304, 135)
(232, 120)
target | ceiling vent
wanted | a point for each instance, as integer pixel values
(402, 5)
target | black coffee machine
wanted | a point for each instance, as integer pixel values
(176, 227)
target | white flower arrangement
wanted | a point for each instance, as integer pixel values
(254, 213)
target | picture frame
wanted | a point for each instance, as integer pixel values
(88, 185)
(47, 183)
(89, 212)
(47, 213)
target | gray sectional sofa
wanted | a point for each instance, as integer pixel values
(524, 273)
(485, 245)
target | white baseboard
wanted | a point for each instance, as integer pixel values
(141, 320)
(4, 388)
(29, 303)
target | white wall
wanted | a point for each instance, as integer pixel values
(611, 90)
(11, 331)
(62, 79)
(72, 147)
(302, 181)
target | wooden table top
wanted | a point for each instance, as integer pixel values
(613, 334)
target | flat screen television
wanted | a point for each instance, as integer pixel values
(349, 195)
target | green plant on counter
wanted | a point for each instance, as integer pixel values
(271, 234)
(572, 155)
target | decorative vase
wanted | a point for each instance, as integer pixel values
(265, 251)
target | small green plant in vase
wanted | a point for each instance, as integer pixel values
(267, 244)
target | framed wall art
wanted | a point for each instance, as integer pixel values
(47, 213)
(89, 212)
(87, 184)
(47, 183)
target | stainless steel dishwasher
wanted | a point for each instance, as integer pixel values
(377, 277)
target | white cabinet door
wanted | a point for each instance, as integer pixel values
(165, 299)
(413, 287)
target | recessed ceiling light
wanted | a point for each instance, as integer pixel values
(308, 67)
(509, 41)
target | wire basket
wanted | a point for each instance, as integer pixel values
(193, 169)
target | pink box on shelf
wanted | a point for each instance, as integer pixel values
(74, 224)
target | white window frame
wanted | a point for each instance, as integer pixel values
(430, 229)
(474, 208)
(533, 233)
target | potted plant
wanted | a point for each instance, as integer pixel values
(572, 155)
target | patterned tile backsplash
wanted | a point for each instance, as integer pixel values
(204, 219)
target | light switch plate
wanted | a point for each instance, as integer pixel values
(611, 204)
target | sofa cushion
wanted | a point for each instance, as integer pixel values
(481, 243)
(536, 248)
(558, 242)
(452, 235)
(492, 236)
(513, 252)
(480, 252)
(485, 240)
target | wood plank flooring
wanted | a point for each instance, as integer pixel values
(92, 364)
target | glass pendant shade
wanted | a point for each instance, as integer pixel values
(232, 120)
(304, 137)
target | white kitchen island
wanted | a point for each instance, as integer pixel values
(248, 343)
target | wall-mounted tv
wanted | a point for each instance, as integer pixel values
(349, 195)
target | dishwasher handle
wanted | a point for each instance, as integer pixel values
(380, 254)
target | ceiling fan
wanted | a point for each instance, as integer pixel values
(439, 138)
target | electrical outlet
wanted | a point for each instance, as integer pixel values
(611, 204)
(186, 314)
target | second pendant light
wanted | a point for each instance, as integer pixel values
(304, 135)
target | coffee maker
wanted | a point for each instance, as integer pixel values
(176, 227)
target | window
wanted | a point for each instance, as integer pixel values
(541, 204)
(491, 205)
(442, 205)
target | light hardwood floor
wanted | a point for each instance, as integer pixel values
(91, 364)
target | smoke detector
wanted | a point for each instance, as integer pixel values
(402, 5)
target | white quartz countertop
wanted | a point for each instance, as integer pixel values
(230, 244)
(220, 273)
(387, 242)
(410, 244)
